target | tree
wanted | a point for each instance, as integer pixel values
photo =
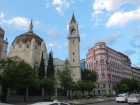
(124, 87)
(41, 72)
(50, 68)
(65, 80)
(18, 75)
(88, 75)
(48, 84)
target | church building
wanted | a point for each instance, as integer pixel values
(29, 47)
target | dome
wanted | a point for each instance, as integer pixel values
(27, 37)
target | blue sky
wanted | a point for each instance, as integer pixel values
(116, 22)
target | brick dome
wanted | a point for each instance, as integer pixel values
(27, 37)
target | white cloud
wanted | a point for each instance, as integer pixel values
(111, 5)
(54, 32)
(97, 12)
(57, 2)
(20, 23)
(47, 5)
(1, 15)
(121, 18)
(67, 27)
(62, 5)
(112, 38)
(50, 44)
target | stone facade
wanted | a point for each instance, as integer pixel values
(29, 47)
(3, 45)
(73, 49)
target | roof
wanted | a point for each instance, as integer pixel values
(58, 61)
(28, 36)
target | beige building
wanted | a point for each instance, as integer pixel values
(3, 45)
(29, 47)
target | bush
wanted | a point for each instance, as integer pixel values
(87, 97)
(53, 98)
(107, 95)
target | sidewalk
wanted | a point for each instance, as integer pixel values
(88, 101)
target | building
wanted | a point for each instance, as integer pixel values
(126, 65)
(3, 45)
(29, 47)
(108, 64)
(82, 64)
(135, 73)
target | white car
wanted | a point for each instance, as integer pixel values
(134, 98)
(50, 103)
(122, 97)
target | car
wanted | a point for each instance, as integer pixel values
(134, 98)
(50, 103)
(121, 97)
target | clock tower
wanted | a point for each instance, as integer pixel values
(73, 49)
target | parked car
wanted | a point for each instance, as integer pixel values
(134, 98)
(121, 97)
(50, 103)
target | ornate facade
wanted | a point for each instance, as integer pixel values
(109, 64)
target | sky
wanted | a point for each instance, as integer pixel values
(115, 22)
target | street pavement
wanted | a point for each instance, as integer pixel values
(77, 101)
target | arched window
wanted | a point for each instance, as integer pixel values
(13, 46)
(73, 32)
(20, 45)
(35, 46)
(27, 45)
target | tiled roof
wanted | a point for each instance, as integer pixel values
(27, 37)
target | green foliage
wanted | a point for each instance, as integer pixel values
(86, 85)
(88, 75)
(50, 68)
(107, 95)
(48, 83)
(65, 79)
(127, 84)
(18, 75)
(41, 72)
(53, 98)
(87, 97)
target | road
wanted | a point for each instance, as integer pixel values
(111, 103)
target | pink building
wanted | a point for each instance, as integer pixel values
(108, 64)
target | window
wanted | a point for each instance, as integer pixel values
(35, 46)
(54, 104)
(20, 45)
(73, 32)
(73, 53)
(73, 41)
(13, 46)
(73, 60)
(27, 46)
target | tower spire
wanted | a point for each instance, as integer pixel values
(31, 27)
(73, 18)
